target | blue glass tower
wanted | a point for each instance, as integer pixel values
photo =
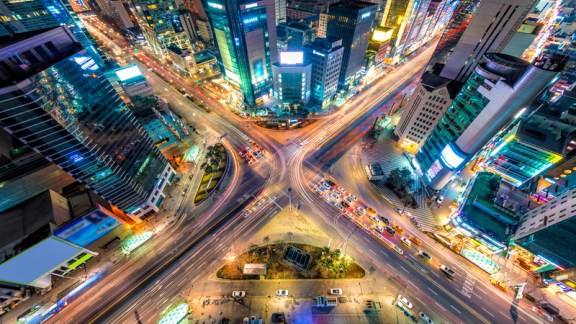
(55, 99)
(245, 34)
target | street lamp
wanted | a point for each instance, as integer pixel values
(290, 197)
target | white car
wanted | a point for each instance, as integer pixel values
(238, 294)
(335, 291)
(375, 219)
(338, 206)
(337, 192)
(405, 301)
(342, 190)
(319, 191)
(348, 200)
(361, 210)
(282, 292)
(426, 318)
(335, 196)
(399, 251)
(247, 213)
(379, 229)
(406, 241)
(440, 199)
(354, 197)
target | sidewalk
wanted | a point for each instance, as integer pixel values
(389, 156)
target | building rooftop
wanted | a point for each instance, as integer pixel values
(16, 66)
(433, 81)
(204, 56)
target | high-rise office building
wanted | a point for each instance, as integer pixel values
(280, 11)
(17, 17)
(404, 17)
(548, 230)
(57, 101)
(496, 91)
(245, 33)
(292, 77)
(351, 22)
(325, 54)
(429, 101)
(535, 144)
(161, 25)
(115, 11)
(476, 28)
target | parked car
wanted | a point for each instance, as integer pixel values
(344, 204)
(390, 230)
(238, 294)
(499, 284)
(425, 256)
(425, 318)
(405, 301)
(282, 292)
(379, 228)
(415, 240)
(449, 272)
(398, 229)
(361, 210)
(405, 241)
(374, 219)
(335, 291)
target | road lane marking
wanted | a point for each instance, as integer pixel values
(505, 315)
(456, 309)
(488, 312)
(410, 282)
(440, 306)
(404, 269)
(435, 293)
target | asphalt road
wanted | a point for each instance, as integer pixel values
(148, 283)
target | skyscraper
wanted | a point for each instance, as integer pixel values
(497, 90)
(57, 101)
(476, 28)
(548, 230)
(351, 22)
(325, 54)
(161, 25)
(292, 77)
(17, 17)
(245, 33)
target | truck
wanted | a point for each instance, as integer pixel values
(449, 272)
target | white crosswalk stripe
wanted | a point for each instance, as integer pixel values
(389, 157)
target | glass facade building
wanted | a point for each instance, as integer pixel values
(497, 90)
(351, 22)
(55, 99)
(244, 33)
(17, 17)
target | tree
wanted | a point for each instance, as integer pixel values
(399, 179)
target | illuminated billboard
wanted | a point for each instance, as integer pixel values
(291, 57)
(451, 157)
(382, 35)
(128, 73)
(37, 261)
(87, 229)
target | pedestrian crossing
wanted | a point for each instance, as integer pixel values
(390, 157)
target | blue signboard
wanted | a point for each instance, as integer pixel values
(87, 229)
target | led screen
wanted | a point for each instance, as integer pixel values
(291, 57)
(85, 230)
(128, 73)
(451, 158)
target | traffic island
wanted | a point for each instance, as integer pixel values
(292, 261)
(214, 169)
